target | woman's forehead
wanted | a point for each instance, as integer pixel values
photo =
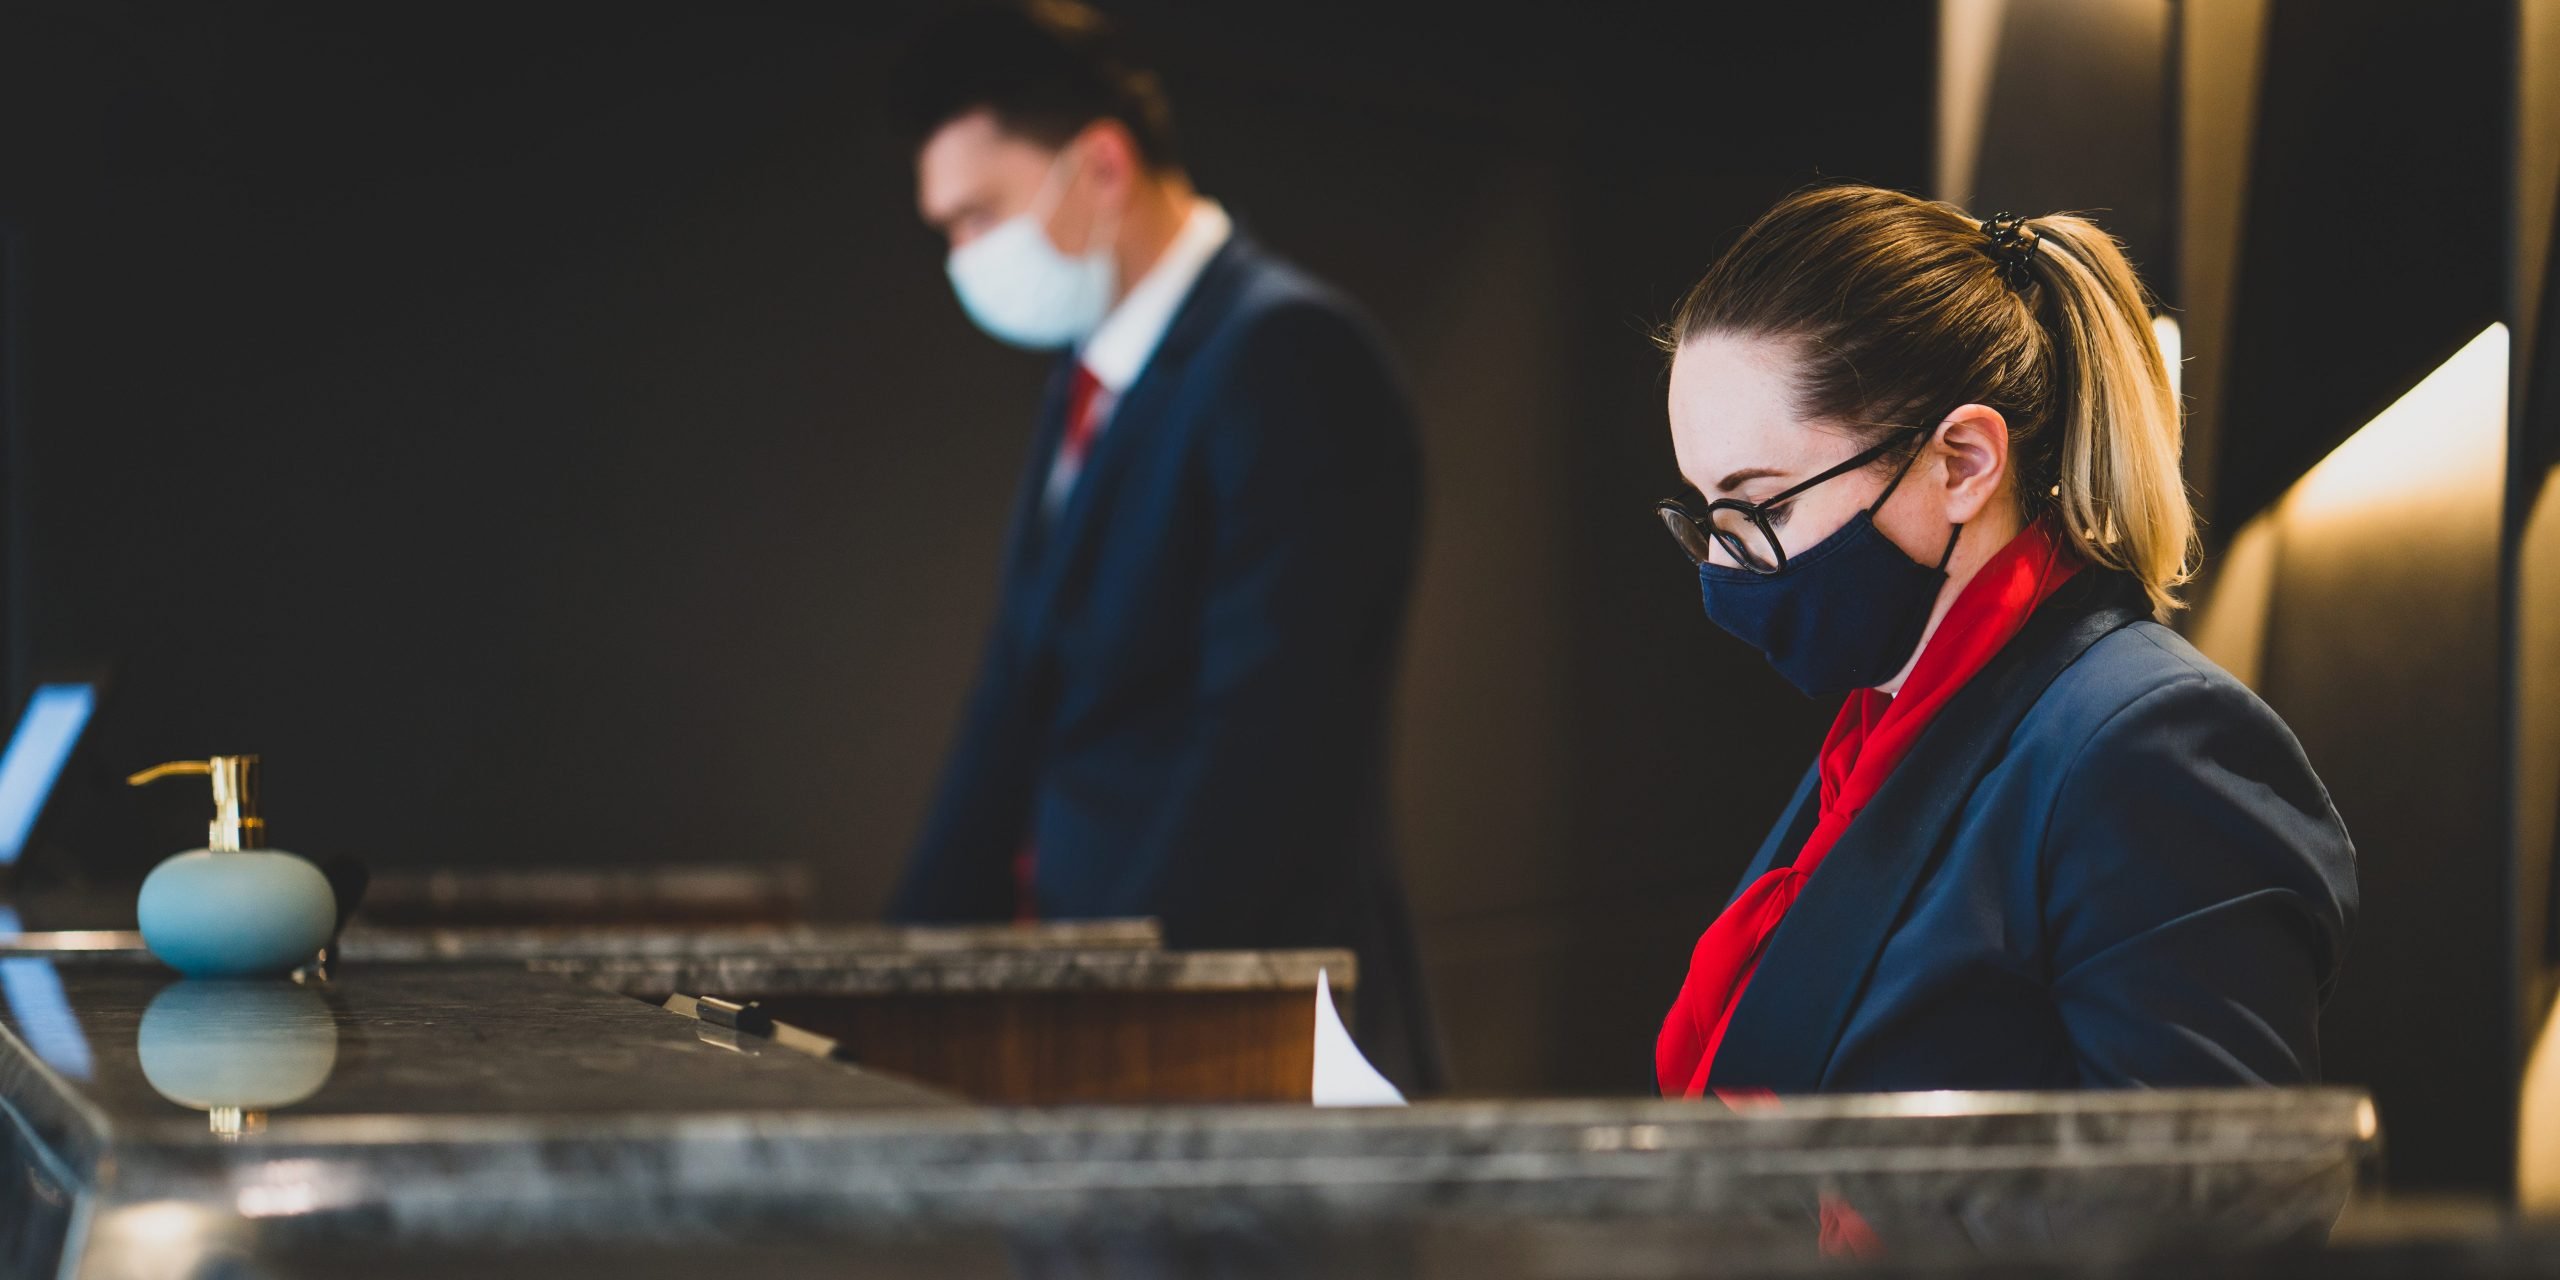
(1732, 406)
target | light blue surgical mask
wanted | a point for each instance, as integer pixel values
(1026, 293)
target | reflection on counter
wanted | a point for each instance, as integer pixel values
(39, 1194)
(40, 1010)
(236, 1049)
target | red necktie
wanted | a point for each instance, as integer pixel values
(1085, 406)
(1087, 403)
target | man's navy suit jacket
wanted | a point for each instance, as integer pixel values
(2105, 863)
(1182, 707)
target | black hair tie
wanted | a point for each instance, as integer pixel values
(2013, 247)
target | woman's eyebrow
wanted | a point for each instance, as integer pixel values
(1747, 473)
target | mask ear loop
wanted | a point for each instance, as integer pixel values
(1948, 556)
(1104, 235)
(1898, 474)
(1945, 557)
(1045, 201)
(1045, 204)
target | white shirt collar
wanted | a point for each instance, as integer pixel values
(1118, 350)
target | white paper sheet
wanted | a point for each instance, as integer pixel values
(1343, 1077)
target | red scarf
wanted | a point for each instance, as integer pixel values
(1872, 734)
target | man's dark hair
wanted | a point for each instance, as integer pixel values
(1044, 68)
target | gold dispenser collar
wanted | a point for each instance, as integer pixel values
(236, 824)
(231, 1124)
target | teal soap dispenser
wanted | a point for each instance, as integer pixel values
(234, 908)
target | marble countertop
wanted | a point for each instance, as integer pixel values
(102, 1057)
(847, 972)
(364, 945)
(1527, 1249)
(652, 961)
(464, 1112)
(1994, 1177)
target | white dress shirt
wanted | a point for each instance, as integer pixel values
(1118, 349)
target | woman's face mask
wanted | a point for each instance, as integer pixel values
(1802, 574)
(1022, 289)
(1845, 613)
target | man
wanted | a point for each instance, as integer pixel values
(1182, 708)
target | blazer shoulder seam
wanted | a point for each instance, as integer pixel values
(2182, 659)
(2080, 755)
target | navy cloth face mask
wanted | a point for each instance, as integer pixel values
(1845, 614)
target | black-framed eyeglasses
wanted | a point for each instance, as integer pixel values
(1743, 528)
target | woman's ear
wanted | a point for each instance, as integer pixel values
(1973, 443)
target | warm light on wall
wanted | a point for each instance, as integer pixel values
(2445, 439)
(2230, 621)
(2444, 442)
(2164, 331)
(2538, 1126)
(1968, 49)
(2365, 606)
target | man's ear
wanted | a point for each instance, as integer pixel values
(1973, 443)
(1111, 160)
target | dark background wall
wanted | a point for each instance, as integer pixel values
(2371, 611)
(2384, 642)
(2334, 225)
(2075, 114)
(545, 434)
(2375, 239)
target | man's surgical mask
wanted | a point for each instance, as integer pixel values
(1019, 288)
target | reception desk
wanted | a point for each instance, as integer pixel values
(1025, 1026)
(455, 1118)
(1091, 1011)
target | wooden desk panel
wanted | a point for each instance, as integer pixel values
(1095, 1025)
(1053, 1047)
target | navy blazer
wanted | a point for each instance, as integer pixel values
(1183, 700)
(2105, 863)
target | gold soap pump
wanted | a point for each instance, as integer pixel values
(236, 824)
(234, 908)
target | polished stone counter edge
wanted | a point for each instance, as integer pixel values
(1439, 1250)
(2076, 1125)
(377, 945)
(370, 945)
(482, 1108)
(2188, 1154)
(879, 973)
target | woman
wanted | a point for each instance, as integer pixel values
(2046, 844)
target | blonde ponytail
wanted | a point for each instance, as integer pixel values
(2123, 497)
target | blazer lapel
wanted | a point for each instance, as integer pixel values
(1139, 413)
(1027, 531)
(1790, 1018)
